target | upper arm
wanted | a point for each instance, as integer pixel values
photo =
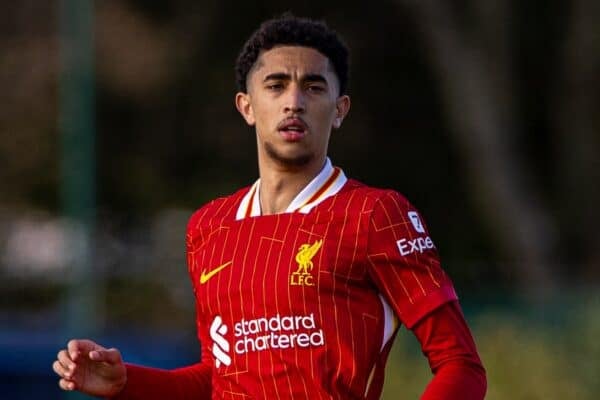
(403, 260)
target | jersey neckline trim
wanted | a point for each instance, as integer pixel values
(327, 183)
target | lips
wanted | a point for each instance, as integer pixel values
(292, 129)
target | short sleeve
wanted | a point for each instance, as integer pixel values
(403, 260)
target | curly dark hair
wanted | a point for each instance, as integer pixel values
(290, 30)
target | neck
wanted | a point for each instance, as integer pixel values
(279, 185)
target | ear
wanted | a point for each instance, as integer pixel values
(244, 106)
(342, 107)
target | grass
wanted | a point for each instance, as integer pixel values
(547, 352)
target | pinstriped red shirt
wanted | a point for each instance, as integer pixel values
(305, 304)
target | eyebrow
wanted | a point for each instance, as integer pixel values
(281, 76)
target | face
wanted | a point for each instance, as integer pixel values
(293, 103)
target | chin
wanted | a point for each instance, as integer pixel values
(292, 160)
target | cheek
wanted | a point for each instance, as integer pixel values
(266, 119)
(259, 114)
(265, 111)
(326, 114)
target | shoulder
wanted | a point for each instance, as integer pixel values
(221, 209)
(384, 207)
(375, 198)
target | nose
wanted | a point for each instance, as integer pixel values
(295, 100)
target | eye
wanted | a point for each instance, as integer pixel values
(274, 86)
(316, 89)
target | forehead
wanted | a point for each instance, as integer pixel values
(294, 60)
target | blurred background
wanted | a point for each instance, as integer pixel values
(117, 121)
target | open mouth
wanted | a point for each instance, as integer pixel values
(292, 129)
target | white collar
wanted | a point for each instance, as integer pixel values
(327, 183)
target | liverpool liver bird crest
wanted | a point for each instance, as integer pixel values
(305, 254)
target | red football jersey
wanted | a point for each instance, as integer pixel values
(305, 304)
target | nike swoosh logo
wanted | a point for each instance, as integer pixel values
(205, 276)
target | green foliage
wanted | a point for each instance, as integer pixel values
(526, 358)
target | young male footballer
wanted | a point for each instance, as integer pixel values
(303, 279)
